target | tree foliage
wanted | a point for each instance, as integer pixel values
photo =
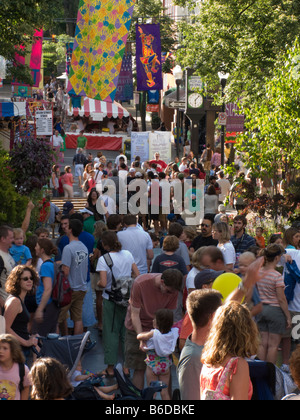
(272, 138)
(12, 204)
(31, 162)
(241, 37)
(18, 20)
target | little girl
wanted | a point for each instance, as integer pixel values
(14, 374)
(161, 343)
(20, 253)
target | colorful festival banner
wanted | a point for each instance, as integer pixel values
(33, 59)
(148, 57)
(125, 84)
(100, 40)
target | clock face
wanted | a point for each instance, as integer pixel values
(195, 100)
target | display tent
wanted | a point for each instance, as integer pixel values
(98, 110)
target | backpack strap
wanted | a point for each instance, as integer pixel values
(109, 262)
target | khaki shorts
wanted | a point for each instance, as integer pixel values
(75, 308)
(134, 357)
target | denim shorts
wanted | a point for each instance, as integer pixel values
(272, 320)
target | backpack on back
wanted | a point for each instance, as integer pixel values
(61, 289)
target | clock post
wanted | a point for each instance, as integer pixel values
(194, 107)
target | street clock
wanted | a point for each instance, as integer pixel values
(195, 100)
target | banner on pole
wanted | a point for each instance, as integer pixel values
(148, 57)
(125, 84)
(34, 57)
(100, 40)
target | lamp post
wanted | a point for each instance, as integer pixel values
(178, 75)
(223, 79)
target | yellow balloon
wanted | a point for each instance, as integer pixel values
(226, 283)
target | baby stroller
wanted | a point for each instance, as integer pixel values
(67, 350)
(131, 392)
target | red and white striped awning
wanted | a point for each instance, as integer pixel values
(98, 110)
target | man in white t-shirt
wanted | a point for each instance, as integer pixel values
(57, 139)
(136, 241)
(225, 186)
(7, 263)
(117, 163)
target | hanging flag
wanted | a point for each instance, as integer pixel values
(33, 59)
(148, 57)
(69, 52)
(36, 57)
(125, 84)
(100, 40)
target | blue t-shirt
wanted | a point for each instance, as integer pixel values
(46, 270)
(20, 253)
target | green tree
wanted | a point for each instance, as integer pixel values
(18, 20)
(272, 138)
(12, 204)
(241, 37)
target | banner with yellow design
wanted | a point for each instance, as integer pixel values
(100, 40)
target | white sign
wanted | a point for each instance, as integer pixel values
(160, 141)
(139, 145)
(44, 123)
(222, 118)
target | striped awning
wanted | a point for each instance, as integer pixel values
(98, 110)
(12, 109)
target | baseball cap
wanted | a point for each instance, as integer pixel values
(205, 277)
(67, 207)
(86, 211)
(131, 170)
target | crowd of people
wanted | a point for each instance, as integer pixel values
(150, 279)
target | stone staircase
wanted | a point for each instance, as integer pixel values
(79, 203)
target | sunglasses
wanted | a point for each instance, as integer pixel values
(26, 278)
(205, 225)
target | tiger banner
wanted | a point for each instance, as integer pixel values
(148, 57)
(99, 46)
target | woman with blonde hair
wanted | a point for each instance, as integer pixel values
(221, 232)
(197, 267)
(232, 338)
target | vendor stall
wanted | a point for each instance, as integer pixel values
(97, 141)
(98, 110)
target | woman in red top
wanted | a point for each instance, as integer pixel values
(68, 181)
(233, 337)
